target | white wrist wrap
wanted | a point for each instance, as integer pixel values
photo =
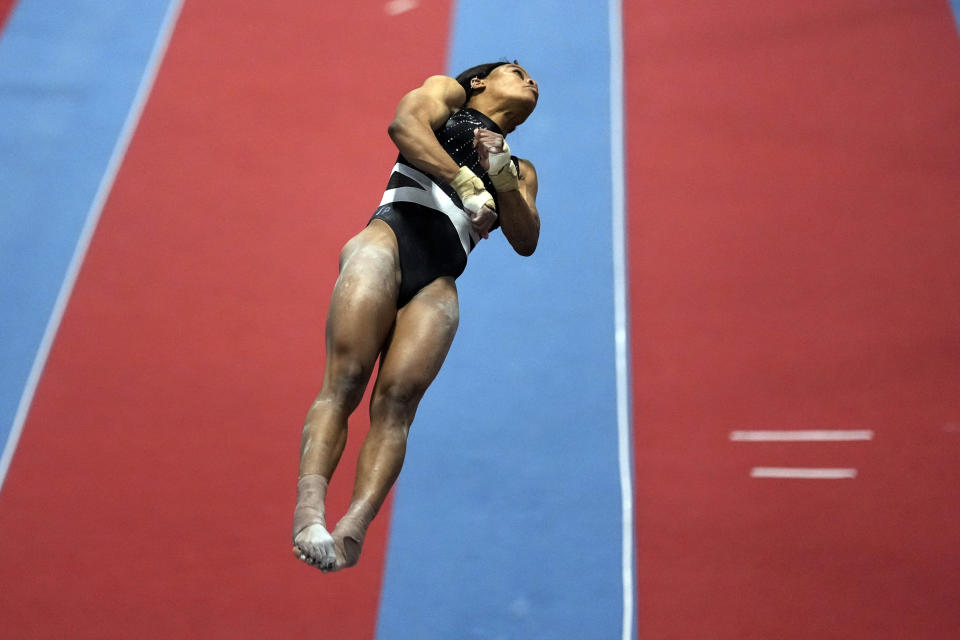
(470, 188)
(498, 161)
(503, 173)
(476, 202)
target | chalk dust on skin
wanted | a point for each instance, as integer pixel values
(312, 543)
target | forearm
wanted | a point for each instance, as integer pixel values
(418, 144)
(519, 221)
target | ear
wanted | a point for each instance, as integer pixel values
(476, 83)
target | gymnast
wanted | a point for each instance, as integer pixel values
(395, 299)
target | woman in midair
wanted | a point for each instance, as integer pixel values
(395, 299)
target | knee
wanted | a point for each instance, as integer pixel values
(398, 399)
(345, 383)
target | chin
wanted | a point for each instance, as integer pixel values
(529, 109)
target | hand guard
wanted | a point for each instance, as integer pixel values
(473, 194)
(503, 172)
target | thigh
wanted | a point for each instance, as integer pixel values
(421, 338)
(363, 306)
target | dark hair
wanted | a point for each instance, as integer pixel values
(480, 71)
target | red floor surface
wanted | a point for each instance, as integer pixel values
(793, 189)
(793, 228)
(153, 488)
(6, 7)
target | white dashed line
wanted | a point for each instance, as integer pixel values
(802, 474)
(821, 435)
(804, 435)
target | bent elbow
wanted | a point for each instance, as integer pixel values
(524, 242)
(394, 129)
(401, 127)
(525, 249)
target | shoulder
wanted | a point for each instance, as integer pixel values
(444, 89)
(526, 169)
(433, 102)
(526, 164)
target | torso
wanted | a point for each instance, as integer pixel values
(434, 234)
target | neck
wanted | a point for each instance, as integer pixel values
(506, 118)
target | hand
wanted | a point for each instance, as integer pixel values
(487, 142)
(494, 154)
(482, 220)
(477, 201)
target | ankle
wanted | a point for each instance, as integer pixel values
(362, 512)
(311, 495)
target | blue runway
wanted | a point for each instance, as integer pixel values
(521, 424)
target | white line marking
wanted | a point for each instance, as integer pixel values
(89, 226)
(803, 474)
(621, 335)
(810, 435)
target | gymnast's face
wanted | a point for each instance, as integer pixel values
(512, 84)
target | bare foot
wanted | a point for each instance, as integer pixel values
(349, 532)
(348, 551)
(315, 546)
(312, 543)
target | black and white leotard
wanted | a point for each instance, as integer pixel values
(434, 234)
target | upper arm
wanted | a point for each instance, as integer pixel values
(528, 182)
(433, 102)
